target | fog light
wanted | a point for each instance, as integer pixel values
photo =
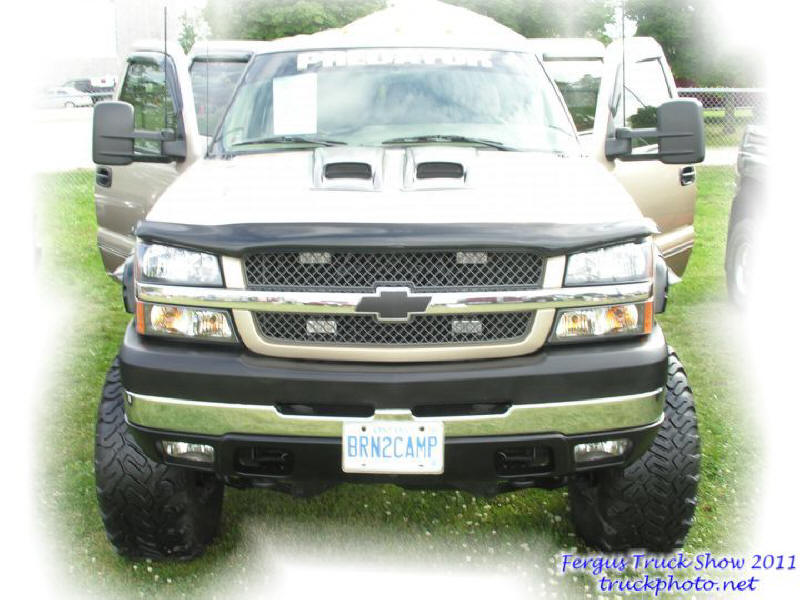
(594, 451)
(314, 258)
(201, 453)
(472, 258)
(467, 327)
(321, 327)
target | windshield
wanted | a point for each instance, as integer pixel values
(213, 82)
(373, 97)
(579, 82)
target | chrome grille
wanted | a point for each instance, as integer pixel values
(420, 330)
(447, 270)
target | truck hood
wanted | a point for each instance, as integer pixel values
(498, 187)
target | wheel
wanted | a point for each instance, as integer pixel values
(150, 510)
(69, 105)
(738, 261)
(649, 504)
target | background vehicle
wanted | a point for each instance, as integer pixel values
(746, 211)
(63, 97)
(99, 88)
(395, 244)
(665, 193)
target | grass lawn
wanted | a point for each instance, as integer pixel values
(523, 530)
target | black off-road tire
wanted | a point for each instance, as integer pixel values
(651, 503)
(150, 510)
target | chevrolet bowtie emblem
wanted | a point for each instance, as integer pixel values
(393, 304)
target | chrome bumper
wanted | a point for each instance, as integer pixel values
(568, 418)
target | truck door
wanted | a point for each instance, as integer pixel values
(160, 92)
(664, 193)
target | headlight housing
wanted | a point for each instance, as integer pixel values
(167, 320)
(623, 263)
(167, 264)
(602, 322)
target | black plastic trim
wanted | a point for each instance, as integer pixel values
(660, 285)
(128, 287)
(103, 176)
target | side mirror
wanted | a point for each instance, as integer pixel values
(112, 133)
(113, 136)
(679, 131)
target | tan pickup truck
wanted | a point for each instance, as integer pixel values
(390, 257)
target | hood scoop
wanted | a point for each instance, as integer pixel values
(348, 168)
(440, 170)
(438, 167)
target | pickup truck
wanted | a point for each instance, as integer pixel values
(392, 260)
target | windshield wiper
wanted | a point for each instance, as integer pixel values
(447, 138)
(290, 139)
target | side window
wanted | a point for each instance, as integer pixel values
(213, 82)
(145, 88)
(645, 90)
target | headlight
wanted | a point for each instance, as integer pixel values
(624, 263)
(165, 264)
(183, 322)
(603, 322)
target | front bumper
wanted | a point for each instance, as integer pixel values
(308, 465)
(245, 404)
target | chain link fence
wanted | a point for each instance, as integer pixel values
(727, 111)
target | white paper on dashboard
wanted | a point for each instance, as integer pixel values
(294, 104)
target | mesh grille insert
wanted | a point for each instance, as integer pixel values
(468, 269)
(367, 330)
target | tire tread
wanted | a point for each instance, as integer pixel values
(651, 503)
(149, 509)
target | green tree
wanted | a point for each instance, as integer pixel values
(188, 34)
(696, 47)
(271, 19)
(547, 18)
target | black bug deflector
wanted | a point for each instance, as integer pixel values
(548, 239)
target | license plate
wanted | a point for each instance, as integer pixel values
(393, 447)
